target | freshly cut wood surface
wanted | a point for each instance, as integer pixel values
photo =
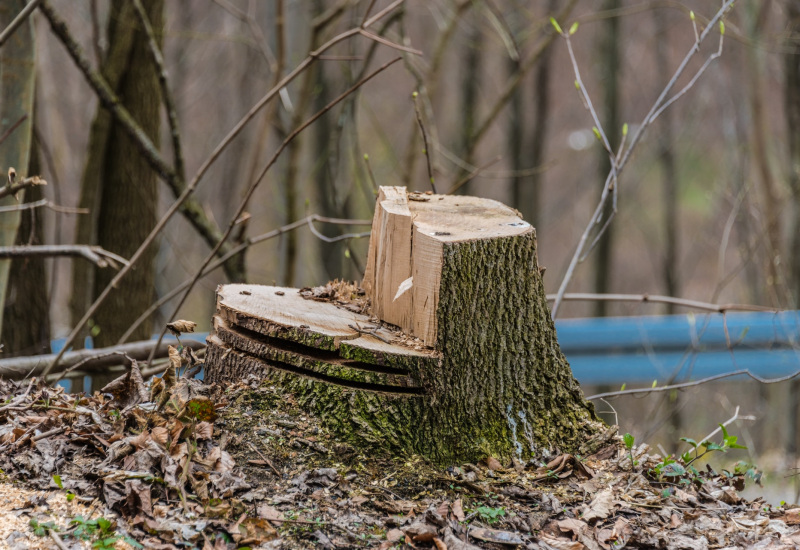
(409, 233)
(283, 313)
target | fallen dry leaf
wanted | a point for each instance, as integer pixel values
(180, 326)
(600, 507)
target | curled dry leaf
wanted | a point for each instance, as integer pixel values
(180, 326)
(204, 430)
(600, 506)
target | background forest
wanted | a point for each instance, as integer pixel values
(484, 102)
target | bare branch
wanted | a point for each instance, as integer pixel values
(683, 385)
(608, 187)
(424, 141)
(98, 256)
(18, 20)
(12, 187)
(166, 93)
(47, 204)
(658, 299)
(98, 359)
(14, 126)
(179, 202)
(188, 206)
(275, 156)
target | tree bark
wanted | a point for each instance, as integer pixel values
(120, 186)
(27, 303)
(17, 78)
(485, 375)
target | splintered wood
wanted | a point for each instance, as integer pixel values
(405, 260)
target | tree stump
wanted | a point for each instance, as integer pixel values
(464, 363)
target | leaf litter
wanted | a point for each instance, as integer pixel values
(179, 464)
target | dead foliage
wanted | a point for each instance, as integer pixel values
(177, 463)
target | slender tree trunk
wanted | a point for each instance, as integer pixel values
(121, 35)
(27, 303)
(792, 100)
(610, 72)
(471, 69)
(129, 187)
(527, 190)
(17, 78)
(759, 142)
(669, 176)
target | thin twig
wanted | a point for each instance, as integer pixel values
(732, 419)
(93, 358)
(95, 254)
(265, 459)
(237, 250)
(188, 205)
(14, 126)
(608, 188)
(424, 140)
(658, 299)
(45, 203)
(475, 172)
(57, 540)
(18, 20)
(254, 185)
(337, 238)
(99, 358)
(15, 187)
(682, 385)
(55, 22)
(166, 93)
(20, 398)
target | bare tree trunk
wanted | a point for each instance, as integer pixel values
(669, 176)
(471, 68)
(776, 289)
(119, 50)
(527, 189)
(17, 78)
(610, 72)
(792, 99)
(27, 302)
(129, 187)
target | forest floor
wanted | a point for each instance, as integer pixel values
(180, 464)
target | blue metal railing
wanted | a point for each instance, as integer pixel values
(617, 350)
(636, 350)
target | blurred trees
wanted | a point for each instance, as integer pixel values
(119, 186)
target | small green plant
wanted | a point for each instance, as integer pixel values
(728, 443)
(42, 529)
(101, 530)
(684, 472)
(490, 515)
(629, 441)
(69, 494)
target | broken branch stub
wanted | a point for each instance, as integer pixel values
(484, 375)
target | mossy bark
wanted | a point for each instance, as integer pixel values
(497, 383)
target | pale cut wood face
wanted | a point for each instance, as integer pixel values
(405, 258)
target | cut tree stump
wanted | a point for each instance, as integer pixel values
(464, 362)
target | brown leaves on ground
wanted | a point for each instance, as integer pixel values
(174, 467)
